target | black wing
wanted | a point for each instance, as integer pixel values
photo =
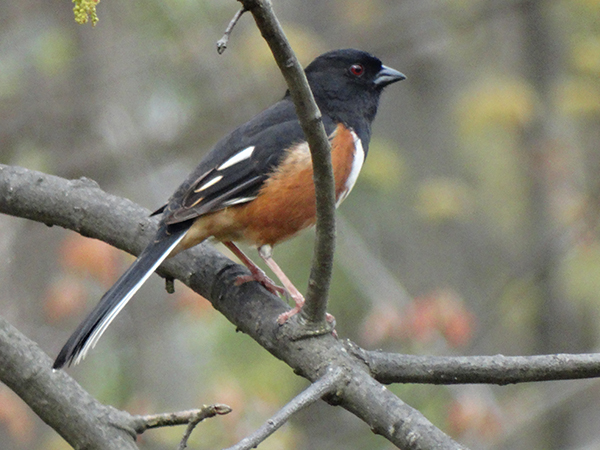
(236, 168)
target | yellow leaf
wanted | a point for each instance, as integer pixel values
(586, 54)
(360, 12)
(581, 273)
(577, 96)
(259, 58)
(508, 102)
(443, 198)
(384, 168)
(85, 10)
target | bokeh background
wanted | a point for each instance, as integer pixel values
(473, 228)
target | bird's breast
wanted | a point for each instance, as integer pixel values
(286, 203)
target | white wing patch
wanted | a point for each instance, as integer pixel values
(357, 163)
(238, 157)
(208, 184)
(237, 201)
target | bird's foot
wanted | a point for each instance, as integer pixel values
(261, 277)
(299, 300)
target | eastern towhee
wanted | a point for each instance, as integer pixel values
(256, 185)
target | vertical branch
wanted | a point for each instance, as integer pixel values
(310, 120)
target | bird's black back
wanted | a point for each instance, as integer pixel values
(340, 97)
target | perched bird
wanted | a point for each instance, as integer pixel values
(256, 185)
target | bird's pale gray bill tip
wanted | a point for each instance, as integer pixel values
(387, 75)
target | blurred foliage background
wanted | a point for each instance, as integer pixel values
(473, 228)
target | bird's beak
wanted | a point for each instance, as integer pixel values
(387, 75)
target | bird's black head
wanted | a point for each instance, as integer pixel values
(347, 84)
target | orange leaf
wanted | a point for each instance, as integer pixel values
(192, 302)
(471, 412)
(90, 257)
(15, 415)
(66, 297)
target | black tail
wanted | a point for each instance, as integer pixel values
(89, 331)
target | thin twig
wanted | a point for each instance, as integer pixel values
(497, 369)
(180, 417)
(222, 43)
(314, 392)
(191, 418)
(214, 409)
(310, 119)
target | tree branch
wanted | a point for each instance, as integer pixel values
(325, 385)
(80, 205)
(393, 368)
(190, 418)
(196, 416)
(310, 119)
(222, 43)
(55, 396)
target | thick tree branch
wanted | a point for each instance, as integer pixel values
(55, 396)
(80, 205)
(59, 401)
(498, 369)
(310, 120)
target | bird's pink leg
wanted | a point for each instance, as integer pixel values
(257, 274)
(265, 253)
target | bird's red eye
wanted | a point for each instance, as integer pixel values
(357, 70)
